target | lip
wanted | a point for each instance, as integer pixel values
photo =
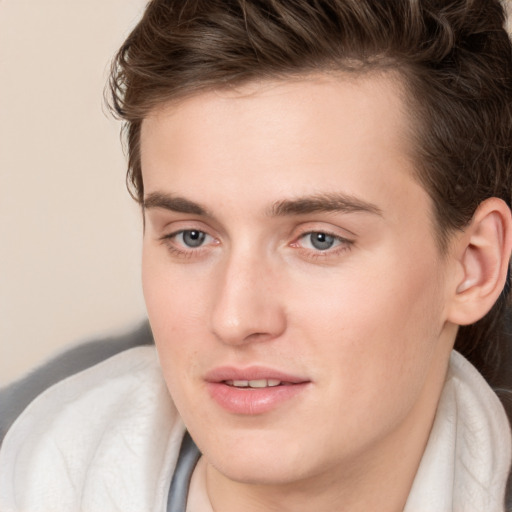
(252, 401)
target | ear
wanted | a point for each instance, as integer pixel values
(482, 258)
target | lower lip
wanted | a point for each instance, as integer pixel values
(252, 401)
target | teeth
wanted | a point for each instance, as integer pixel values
(261, 383)
(258, 383)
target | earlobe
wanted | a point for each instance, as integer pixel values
(484, 258)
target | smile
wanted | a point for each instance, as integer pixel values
(253, 391)
(260, 383)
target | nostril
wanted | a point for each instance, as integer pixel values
(258, 336)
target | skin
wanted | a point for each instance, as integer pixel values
(366, 321)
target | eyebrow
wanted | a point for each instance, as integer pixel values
(317, 203)
(331, 202)
(173, 203)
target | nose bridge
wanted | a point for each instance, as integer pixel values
(248, 305)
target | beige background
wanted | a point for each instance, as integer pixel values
(69, 233)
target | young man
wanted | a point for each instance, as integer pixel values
(326, 191)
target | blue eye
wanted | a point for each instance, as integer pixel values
(192, 237)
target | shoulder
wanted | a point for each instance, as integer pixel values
(104, 438)
(15, 397)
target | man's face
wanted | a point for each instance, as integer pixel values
(287, 245)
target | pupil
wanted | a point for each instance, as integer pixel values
(322, 241)
(193, 238)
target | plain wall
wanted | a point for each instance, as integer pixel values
(69, 232)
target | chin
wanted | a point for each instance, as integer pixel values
(270, 472)
(258, 458)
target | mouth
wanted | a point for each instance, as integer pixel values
(253, 391)
(253, 376)
(256, 384)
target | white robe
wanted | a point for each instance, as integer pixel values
(124, 459)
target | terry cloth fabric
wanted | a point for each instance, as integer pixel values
(107, 440)
(467, 459)
(103, 440)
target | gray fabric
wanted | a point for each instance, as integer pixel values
(15, 397)
(187, 460)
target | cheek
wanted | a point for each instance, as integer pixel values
(379, 325)
(174, 296)
(176, 314)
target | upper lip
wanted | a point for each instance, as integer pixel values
(229, 373)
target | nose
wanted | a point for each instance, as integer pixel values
(248, 306)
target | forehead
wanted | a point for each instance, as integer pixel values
(321, 100)
(318, 134)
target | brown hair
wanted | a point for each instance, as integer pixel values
(454, 56)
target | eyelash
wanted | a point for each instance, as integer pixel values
(344, 244)
(168, 241)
